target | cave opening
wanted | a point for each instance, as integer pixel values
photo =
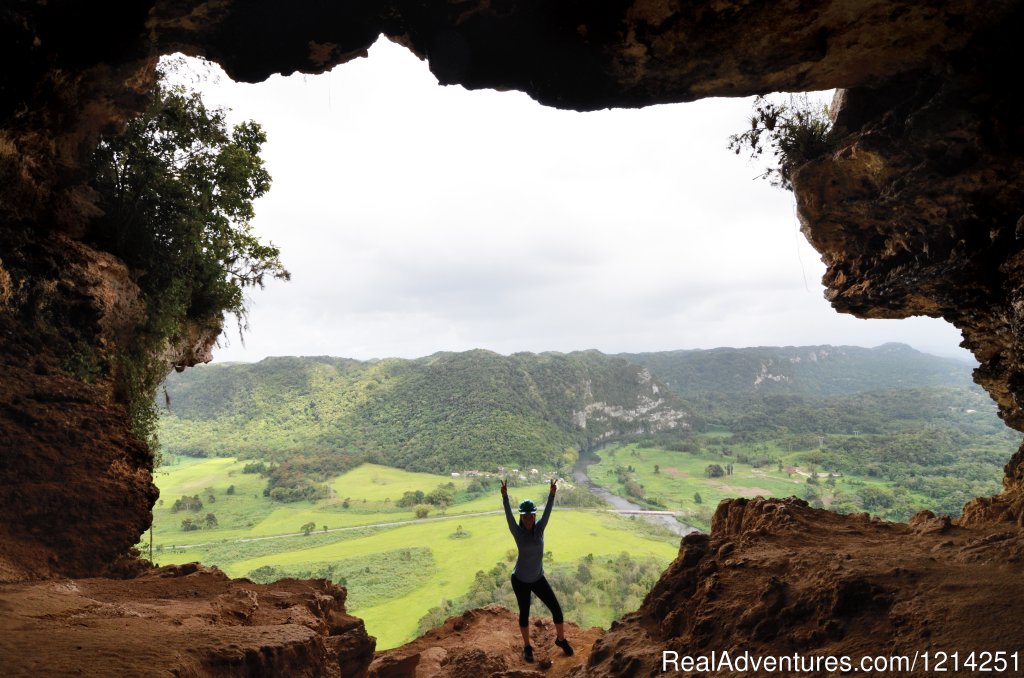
(917, 211)
(480, 220)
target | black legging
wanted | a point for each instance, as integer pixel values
(543, 590)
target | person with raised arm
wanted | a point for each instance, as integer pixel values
(528, 574)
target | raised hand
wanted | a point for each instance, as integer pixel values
(554, 486)
(504, 488)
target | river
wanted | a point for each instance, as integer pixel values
(579, 474)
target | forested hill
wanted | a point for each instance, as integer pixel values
(445, 412)
(801, 370)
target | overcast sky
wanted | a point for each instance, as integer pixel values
(417, 218)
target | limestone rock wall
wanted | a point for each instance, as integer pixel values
(75, 485)
(776, 578)
(920, 211)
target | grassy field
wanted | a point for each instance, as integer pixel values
(370, 490)
(395, 573)
(681, 476)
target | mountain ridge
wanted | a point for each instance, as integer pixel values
(459, 410)
(815, 370)
(439, 413)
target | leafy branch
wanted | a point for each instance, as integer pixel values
(794, 133)
(176, 188)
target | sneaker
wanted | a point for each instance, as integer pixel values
(566, 647)
(528, 653)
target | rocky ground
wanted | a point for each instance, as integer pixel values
(776, 577)
(179, 621)
(485, 642)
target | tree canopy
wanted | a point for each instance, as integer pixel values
(177, 190)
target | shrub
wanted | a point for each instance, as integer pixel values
(634, 489)
(193, 503)
(459, 533)
(714, 471)
(796, 131)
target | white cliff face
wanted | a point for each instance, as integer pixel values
(766, 375)
(650, 413)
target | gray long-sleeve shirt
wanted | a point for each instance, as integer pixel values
(530, 564)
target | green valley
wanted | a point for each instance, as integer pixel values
(398, 568)
(383, 475)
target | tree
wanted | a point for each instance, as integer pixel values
(186, 503)
(657, 469)
(422, 511)
(634, 489)
(211, 521)
(230, 490)
(188, 525)
(570, 456)
(176, 190)
(697, 499)
(714, 471)
(308, 527)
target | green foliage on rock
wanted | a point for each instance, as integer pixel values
(794, 132)
(176, 190)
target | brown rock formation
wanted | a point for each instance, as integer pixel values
(776, 578)
(75, 487)
(484, 642)
(181, 620)
(917, 211)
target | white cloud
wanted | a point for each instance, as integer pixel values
(417, 218)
